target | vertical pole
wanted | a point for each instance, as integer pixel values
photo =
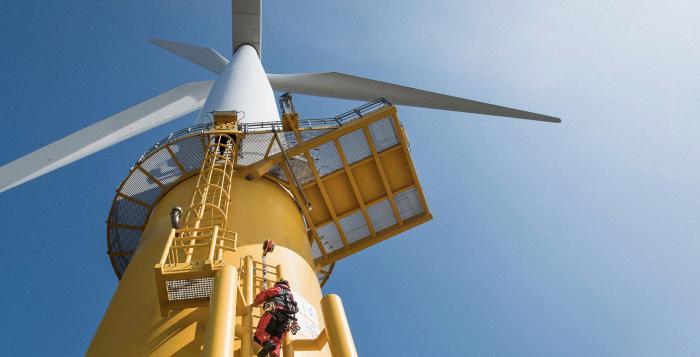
(339, 336)
(212, 244)
(248, 292)
(218, 340)
(168, 243)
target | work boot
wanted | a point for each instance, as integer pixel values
(267, 347)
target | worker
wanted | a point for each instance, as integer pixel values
(279, 317)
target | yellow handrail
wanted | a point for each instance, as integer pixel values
(168, 243)
(212, 244)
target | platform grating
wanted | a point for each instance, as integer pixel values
(163, 167)
(140, 187)
(355, 146)
(409, 203)
(189, 289)
(253, 148)
(355, 227)
(190, 152)
(381, 215)
(326, 158)
(383, 134)
(329, 237)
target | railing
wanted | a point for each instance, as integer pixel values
(317, 123)
(199, 128)
(184, 245)
(363, 110)
(277, 125)
(320, 123)
(222, 240)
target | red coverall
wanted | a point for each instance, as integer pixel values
(262, 333)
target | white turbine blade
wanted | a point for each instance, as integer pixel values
(339, 85)
(202, 56)
(119, 127)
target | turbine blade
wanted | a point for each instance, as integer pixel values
(203, 56)
(119, 127)
(345, 86)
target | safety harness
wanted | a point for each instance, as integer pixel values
(283, 308)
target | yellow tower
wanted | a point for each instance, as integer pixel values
(322, 189)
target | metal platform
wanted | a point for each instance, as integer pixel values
(185, 272)
(354, 171)
(356, 183)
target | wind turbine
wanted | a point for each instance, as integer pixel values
(237, 110)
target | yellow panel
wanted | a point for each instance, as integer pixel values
(341, 195)
(319, 212)
(398, 172)
(368, 180)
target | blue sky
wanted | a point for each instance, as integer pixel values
(578, 239)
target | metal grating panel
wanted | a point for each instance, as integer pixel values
(253, 148)
(354, 227)
(140, 187)
(409, 203)
(287, 139)
(120, 263)
(190, 152)
(383, 134)
(162, 166)
(329, 237)
(189, 289)
(124, 239)
(381, 215)
(326, 158)
(315, 250)
(355, 146)
(129, 213)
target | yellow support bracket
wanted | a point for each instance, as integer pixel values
(316, 344)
